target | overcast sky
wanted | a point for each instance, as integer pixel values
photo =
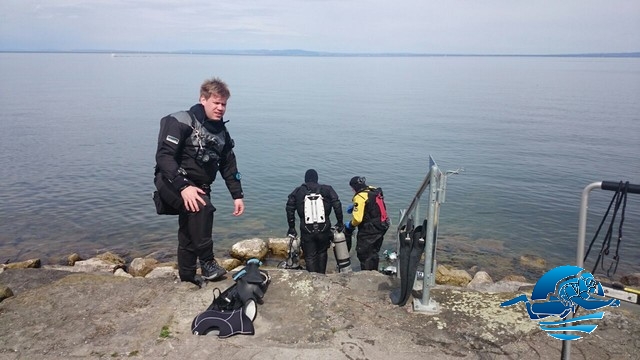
(416, 26)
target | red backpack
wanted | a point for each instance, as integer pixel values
(377, 197)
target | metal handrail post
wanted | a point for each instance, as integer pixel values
(427, 280)
(565, 353)
(426, 304)
(582, 221)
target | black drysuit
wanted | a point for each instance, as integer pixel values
(371, 231)
(191, 152)
(314, 243)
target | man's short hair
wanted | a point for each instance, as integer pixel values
(214, 86)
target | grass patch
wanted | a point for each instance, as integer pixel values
(165, 333)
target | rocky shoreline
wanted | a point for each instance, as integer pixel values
(107, 307)
(272, 252)
(57, 314)
(104, 307)
(457, 252)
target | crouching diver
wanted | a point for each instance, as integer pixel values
(193, 146)
(370, 217)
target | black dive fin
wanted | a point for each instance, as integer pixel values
(417, 248)
(403, 264)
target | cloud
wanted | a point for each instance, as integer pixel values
(453, 26)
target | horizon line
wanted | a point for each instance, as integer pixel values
(299, 52)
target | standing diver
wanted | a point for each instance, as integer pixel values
(193, 146)
(313, 202)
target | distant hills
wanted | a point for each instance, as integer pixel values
(298, 52)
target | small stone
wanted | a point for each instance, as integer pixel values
(631, 279)
(533, 261)
(71, 259)
(5, 292)
(111, 258)
(512, 277)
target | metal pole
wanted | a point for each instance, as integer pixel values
(428, 249)
(582, 221)
(582, 230)
(426, 304)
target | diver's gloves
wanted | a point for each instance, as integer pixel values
(350, 209)
(339, 227)
(292, 232)
(348, 230)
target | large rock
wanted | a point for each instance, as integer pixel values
(142, 266)
(229, 264)
(480, 279)
(447, 276)
(27, 264)
(279, 247)
(251, 248)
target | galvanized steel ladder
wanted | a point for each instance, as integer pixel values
(436, 181)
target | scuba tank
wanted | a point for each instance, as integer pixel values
(341, 251)
(293, 258)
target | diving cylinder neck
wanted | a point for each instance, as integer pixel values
(341, 251)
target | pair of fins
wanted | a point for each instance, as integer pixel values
(412, 243)
(232, 311)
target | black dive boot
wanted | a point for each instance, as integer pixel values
(211, 270)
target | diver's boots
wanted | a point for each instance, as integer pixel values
(211, 270)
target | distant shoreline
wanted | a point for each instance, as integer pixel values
(305, 53)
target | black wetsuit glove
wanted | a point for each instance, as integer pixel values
(292, 232)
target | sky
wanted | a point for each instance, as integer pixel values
(345, 26)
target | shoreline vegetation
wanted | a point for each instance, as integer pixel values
(307, 53)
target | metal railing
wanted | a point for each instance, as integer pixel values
(582, 230)
(435, 181)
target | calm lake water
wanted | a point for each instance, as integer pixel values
(79, 135)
